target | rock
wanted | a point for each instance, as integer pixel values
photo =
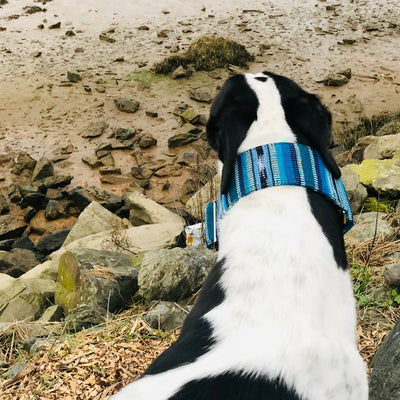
(43, 169)
(181, 139)
(122, 144)
(143, 28)
(4, 206)
(168, 170)
(356, 192)
(92, 161)
(163, 33)
(190, 186)
(334, 79)
(50, 243)
(105, 279)
(147, 141)
(146, 211)
(390, 128)
(59, 209)
(384, 383)
(11, 227)
(179, 73)
(371, 171)
(14, 193)
(95, 219)
(127, 105)
(23, 162)
(57, 25)
(103, 149)
(26, 299)
(73, 76)
(174, 274)
(52, 314)
(141, 173)
(364, 229)
(187, 159)
(41, 226)
(106, 38)
(24, 243)
(190, 115)
(195, 206)
(6, 245)
(95, 129)
(108, 161)
(17, 261)
(84, 317)
(34, 199)
(383, 147)
(202, 94)
(166, 315)
(29, 213)
(124, 134)
(152, 114)
(388, 186)
(110, 170)
(392, 275)
(5, 281)
(17, 368)
(82, 197)
(116, 179)
(54, 182)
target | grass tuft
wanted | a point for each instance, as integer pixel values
(206, 54)
(365, 126)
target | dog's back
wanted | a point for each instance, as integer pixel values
(276, 317)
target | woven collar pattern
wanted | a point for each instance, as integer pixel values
(277, 164)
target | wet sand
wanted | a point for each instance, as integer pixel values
(40, 113)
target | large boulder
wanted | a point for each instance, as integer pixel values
(95, 219)
(381, 175)
(146, 211)
(385, 378)
(174, 274)
(383, 147)
(26, 299)
(103, 278)
(17, 261)
(368, 225)
(356, 192)
(166, 315)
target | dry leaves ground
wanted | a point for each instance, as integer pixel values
(94, 364)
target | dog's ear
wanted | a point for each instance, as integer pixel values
(225, 133)
(310, 118)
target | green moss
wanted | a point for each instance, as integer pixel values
(372, 204)
(370, 170)
(207, 54)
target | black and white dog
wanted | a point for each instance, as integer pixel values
(276, 317)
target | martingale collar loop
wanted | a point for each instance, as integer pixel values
(277, 164)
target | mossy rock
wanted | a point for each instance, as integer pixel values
(104, 278)
(370, 170)
(207, 54)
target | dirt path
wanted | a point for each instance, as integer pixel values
(41, 113)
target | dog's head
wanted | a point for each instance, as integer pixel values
(252, 110)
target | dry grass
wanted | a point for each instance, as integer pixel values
(92, 364)
(348, 137)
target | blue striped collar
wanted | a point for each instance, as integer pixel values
(268, 165)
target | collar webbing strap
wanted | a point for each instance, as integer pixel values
(277, 164)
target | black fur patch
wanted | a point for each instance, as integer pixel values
(196, 336)
(232, 112)
(231, 385)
